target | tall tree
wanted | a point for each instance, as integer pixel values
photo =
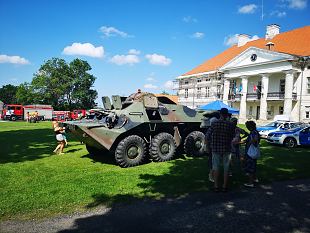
(64, 86)
(25, 94)
(8, 94)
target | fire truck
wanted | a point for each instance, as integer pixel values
(15, 112)
(61, 115)
(67, 115)
(78, 114)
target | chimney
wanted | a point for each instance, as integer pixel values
(243, 39)
(272, 31)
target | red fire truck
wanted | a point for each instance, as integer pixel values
(67, 115)
(15, 112)
(61, 115)
(78, 114)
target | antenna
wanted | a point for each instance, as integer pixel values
(262, 10)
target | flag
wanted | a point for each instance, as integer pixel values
(240, 87)
(254, 88)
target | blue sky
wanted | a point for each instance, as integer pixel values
(131, 44)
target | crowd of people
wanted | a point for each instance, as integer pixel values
(223, 140)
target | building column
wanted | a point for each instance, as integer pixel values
(288, 95)
(226, 91)
(242, 112)
(263, 100)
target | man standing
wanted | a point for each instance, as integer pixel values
(222, 133)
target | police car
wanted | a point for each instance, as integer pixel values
(291, 138)
(276, 126)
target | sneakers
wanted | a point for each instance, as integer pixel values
(249, 185)
(211, 178)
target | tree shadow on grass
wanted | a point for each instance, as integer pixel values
(26, 145)
(276, 209)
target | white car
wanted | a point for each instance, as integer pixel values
(291, 138)
(276, 126)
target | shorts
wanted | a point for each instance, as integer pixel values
(250, 165)
(216, 158)
(60, 137)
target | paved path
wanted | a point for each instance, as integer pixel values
(280, 207)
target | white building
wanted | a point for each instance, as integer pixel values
(262, 78)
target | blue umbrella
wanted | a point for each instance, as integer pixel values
(217, 105)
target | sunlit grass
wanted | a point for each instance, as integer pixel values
(36, 183)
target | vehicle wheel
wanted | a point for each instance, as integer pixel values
(194, 144)
(290, 142)
(93, 150)
(163, 147)
(13, 118)
(131, 151)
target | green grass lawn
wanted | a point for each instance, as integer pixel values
(35, 183)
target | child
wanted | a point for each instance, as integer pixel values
(59, 137)
(251, 164)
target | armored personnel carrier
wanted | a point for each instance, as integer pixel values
(139, 127)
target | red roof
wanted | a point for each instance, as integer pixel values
(295, 42)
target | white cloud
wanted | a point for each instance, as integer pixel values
(134, 52)
(255, 37)
(157, 59)
(112, 31)
(247, 9)
(85, 49)
(151, 79)
(189, 19)
(150, 86)
(13, 59)
(233, 39)
(278, 14)
(198, 35)
(297, 4)
(129, 59)
(169, 85)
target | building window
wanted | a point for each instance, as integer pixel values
(198, 92)
(199, 80)
(218, 91)
(207, 91)
(251, 111)
(186, 82)
(281, 110)
(307, 115)
(308, 85)
(282, 85)
(186, 93)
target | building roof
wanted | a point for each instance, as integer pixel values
(294, 42)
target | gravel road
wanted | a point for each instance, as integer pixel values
(279, 207)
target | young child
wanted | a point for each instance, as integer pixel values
(61, 139)
(251, 164)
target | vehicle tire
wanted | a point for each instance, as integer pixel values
(290, 142)
(13, 118)
(194, 144)
(131, 151)
(93, 150)
(163, 147)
